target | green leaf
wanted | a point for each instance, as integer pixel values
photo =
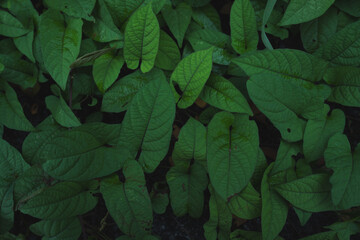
(168, 55)
(18, 71)
(25, 45)
(318, 132)
(246, 204)
(343, 47)
(232, 150)
(303, 216)
(60, 40)
(10, 26)
(6, 207)
(187, 186)
(330, 235)
(106, 69)
(270, 93)
(147, 126)
(60, 201)
(142, 34)
(240, 234)
(350, 7)
(159, 202)
(267, 13)
(345, 191)
(74, 8)
(11, 112)
(274, 209)
(204, 21)
(219, 225)
(285, 157)
(178, 20)
(345, 83)
(120, 95)
(128, 202)
(61, 111)
(299, 11)
(191, 144)
(244, 35)
(104, 29)
(121, 10)
(345, 229)
(221, 93)
(88, 58)
(191, 75)
(318, 31)
(69, 229)
(311, 193)
(288, 62)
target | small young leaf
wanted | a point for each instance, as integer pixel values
(178, 20)
(60, 40)
(299, 11)
(244, 35)
(142, 34)
(25, 45)
(168, 55)
(10, 26)
(191, 75)
(106, 69)
(61, 111)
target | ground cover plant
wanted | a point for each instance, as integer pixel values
(242, 115)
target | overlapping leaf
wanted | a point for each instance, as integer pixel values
(10, 26)
(232, 150)
(60, 40)
(168, 55)
(191, 75)
(69, 229)
(147, 126)
(128, 202)
(61, 112)
(74, 8)
(142, 34)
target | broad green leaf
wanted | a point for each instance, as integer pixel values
(60, 201)
(299, 11)
(191, 75)
(343, 47)
(345, 83)
(191, 144)
(147, 126)
(6, 206)
(142, 34)
(128, 202)
(31, 182)
(168, 55)
(69, 229)
(350, 7)
(74, 8)
(61, 112)
(106, 69)
(330, 235)
(25, 45)
(219, 225)
(232, 150)
(81, 154)
(345, 229)
(270, 93)
(119, 96)
(221, 93)
(17, 70)
(104, 29)
(11, 112)
(288, 62)
(244, 35)
(203, 21)
(206, 38)
(345, 191)
(311, 193)
(246, 204)
(285, 157)
(212, 13)
(274, 209)
(187, 186)
(156, 5)
(318, 132)
(318, 31)
(207, 114)
(60, 40)
(178, 20)
(10, 26)
(121, 10)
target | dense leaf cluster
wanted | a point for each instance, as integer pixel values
(156, 61)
